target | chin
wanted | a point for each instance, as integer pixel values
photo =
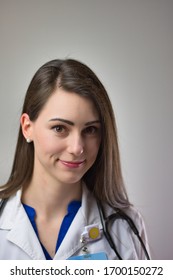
(71, 180)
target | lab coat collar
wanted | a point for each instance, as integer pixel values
(87, 215)
(21, 233)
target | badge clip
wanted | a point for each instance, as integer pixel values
(91, 233)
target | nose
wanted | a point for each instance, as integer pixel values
(76, 145)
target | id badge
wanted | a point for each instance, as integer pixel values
(96, 256)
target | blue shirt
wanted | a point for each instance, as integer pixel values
(72, 209)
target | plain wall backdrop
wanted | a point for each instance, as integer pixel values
(129, 45)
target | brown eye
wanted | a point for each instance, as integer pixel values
(59, 129)
(90, 130)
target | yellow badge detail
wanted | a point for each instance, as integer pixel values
(94, 233)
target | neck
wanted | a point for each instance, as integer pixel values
(51, 198)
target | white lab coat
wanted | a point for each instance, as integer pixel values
(18, 240)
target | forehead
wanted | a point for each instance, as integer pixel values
(69, 105)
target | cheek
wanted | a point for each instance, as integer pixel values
(46, 144)
(94, 148)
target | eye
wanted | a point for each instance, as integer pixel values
(91, 130)
(60, 129)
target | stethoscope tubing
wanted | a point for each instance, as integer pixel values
(107, 221)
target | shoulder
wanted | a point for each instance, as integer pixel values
(9, 210)
(133, 213)
(131, 217)
(137, 218)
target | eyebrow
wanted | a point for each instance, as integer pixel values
(72, 123)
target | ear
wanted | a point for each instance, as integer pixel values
(26, 126)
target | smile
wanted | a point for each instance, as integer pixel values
(72, 164)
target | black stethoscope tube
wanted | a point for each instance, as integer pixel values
(119, 214)
(106, 232)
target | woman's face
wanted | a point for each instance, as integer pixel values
(66, 137)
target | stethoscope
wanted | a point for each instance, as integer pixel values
(107, 222)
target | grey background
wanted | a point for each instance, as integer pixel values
(129, 44)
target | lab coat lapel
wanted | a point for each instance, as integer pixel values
(87, 214)
(71, 242)
(22, 233)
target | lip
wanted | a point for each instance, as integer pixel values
(72, 164)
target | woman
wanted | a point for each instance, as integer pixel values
(66, 169)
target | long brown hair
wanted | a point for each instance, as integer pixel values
(104, 178)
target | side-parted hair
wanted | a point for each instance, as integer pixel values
(104, 178)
